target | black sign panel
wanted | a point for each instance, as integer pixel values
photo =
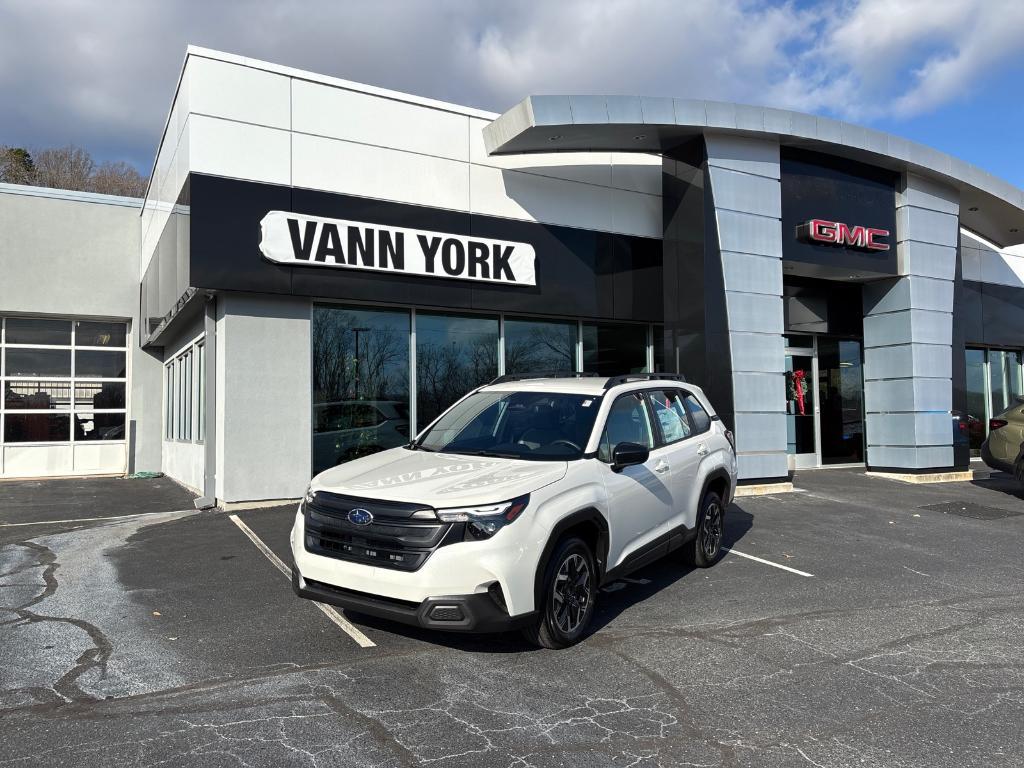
(578, 272)
(835, 213)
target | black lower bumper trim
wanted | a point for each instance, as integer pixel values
(479, 612)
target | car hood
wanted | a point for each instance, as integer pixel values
(438, 479)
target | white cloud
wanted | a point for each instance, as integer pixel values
(101, 74)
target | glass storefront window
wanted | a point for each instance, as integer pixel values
(535, 346)
(96, 334)
(995, 378)
(614, 348)
(97, 364)
(37, 395)
(31, 330)
(360, 383)
(974, 422)
(658, 344)
(96, 394)
(454, 354)
(47, 380)
(37, 427)
(99, 426)
(37, 362)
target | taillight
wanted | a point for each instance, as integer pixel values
(994, 424)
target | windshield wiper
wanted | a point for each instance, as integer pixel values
(414, 446)
(488, 454)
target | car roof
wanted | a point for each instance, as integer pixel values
(590, 385)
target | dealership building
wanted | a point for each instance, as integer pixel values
(320, 267)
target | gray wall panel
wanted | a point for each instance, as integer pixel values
(749, 273)
(266, 371)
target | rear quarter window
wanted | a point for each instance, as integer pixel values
(700, 417)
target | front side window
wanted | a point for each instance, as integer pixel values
(628, 422)
(671, 414)
(537, 426)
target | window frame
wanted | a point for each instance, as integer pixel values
(184, 392)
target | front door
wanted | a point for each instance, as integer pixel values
(824, 401)
(801, 405)
(639, 497)
(841, 400)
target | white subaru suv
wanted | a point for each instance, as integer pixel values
(515, 505)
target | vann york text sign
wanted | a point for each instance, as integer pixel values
(297, 240)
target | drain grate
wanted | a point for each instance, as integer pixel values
(976, 511)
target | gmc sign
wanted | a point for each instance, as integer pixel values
(837, 233)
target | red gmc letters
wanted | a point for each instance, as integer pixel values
(837, 233)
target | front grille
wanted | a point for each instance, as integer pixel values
(394, 539)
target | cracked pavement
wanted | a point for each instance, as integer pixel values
(168, 639)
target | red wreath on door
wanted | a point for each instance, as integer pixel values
(799, 389)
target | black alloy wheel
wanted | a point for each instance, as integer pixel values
(570, 589)
(707, 547)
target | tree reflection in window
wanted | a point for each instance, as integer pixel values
(539, 346)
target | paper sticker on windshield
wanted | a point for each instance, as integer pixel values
(586, 403)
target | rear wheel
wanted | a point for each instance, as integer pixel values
(570, 588)
(707, 547)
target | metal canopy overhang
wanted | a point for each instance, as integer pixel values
(546, 124)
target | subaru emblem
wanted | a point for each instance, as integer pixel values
(360, 517)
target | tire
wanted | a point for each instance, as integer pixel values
(564, 617)
(707, 545)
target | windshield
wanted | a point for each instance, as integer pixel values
(517, 425)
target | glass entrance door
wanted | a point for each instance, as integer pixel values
(824, 401)
(801, 406)
(841, 398)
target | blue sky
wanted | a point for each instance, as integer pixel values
(947, 73)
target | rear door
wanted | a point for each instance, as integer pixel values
(682, 453)
(639, 497)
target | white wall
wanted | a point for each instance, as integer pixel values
(242, 119)
(985, 263)
(263, 397)
(75, 254)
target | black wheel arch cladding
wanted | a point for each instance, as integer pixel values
(589, 525)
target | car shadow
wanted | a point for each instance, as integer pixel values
(614, 598)
(1003, 482)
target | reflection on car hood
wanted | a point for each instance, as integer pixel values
(438, 479)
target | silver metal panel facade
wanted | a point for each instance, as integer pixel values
(908, 336)
(744, 177)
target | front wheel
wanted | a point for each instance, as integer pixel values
(707, 547)
(570, 588)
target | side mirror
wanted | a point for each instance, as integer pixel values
(629, 454)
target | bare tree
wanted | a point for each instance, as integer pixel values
(67, 167)
(118, 178)
(16, 166)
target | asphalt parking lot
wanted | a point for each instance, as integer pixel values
(893, 635)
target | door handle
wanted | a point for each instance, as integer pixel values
(702, 449)
(661, 467)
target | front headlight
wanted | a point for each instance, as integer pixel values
(308, 497)
(485, 520)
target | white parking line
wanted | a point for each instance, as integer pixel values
(79, 520)
(346, 626)
(769, 562)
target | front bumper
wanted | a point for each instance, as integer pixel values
(457, 613)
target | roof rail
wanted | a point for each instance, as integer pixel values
(614, 381)
(542, 375)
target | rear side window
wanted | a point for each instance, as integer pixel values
(701, 420)
(670, 414)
